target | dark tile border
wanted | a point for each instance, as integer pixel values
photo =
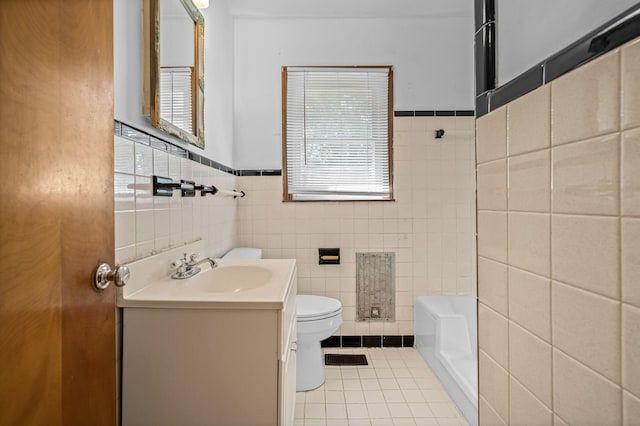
(521, 85)
(145, 138)
(259, 172)
(435, 113)
(368, 342)
(392, 341)
(140, 136)
(331, 342)
(408, 341)
(609, 36)
(372, 341)
(351, 341)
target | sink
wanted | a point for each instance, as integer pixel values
(233, 279)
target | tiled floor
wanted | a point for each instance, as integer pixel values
(397, 388)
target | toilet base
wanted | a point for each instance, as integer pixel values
(310, 366)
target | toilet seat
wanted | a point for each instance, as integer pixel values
(315, 308)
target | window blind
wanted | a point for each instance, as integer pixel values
(337, 133)
(176, 102)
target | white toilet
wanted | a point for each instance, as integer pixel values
(317, 317)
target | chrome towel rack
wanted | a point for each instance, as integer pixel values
(164, 187)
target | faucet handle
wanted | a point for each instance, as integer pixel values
(194, 256)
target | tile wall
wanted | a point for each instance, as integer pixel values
(145, 224)
(558, 244)
(430, 226)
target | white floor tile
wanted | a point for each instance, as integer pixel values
(399, 410)
(350, 373)
(359, 422)
(373, 396)
(315, 422)
(315, 396)
(336, 411)
(337, 422)
(370, 384)
(420, 409)
(388, 384)
(412, 395)
(368, 373)
(407, 383)
(357, 411)
(397, 388)
(384, 373)
(332, 373)
(427, 422)
(354, 397)
(404, 422)
(378, 411)
(333, 384)
(351, 384)
(393, 395)
(401, 372)
(314, 411)
(443, 409)
(334, 397)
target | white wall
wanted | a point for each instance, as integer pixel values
(217, 68)
(432, 59)
(530, 31)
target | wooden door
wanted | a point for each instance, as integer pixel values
(57, 337)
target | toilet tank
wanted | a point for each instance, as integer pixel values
(244, 253)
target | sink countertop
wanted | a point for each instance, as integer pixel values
(188, 293)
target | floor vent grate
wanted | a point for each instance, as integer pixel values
(335, 359)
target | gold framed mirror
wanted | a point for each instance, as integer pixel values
(173, 68)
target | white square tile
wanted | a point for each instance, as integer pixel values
(334, 397)
(393, 395)
(384, 373)
(315, 396)
(336, 411)
(333, 384)
(407, 383)
(370, 384)
(125, 229)
(412, 395)
(338, 422)
(354, 397)
(373, 396)
(378, 411)
(405, 421)
(388, 384)
(420, 409)
(357, 411)
(143, 160)
(399, 410)
(314, 411)
(123, 155)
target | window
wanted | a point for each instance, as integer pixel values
(176, 101)
(337, 128)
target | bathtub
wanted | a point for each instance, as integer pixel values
(446, 336)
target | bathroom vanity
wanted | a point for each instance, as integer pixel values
(197, 353)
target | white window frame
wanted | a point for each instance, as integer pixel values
(342, 193)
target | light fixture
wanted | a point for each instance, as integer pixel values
(201, 4)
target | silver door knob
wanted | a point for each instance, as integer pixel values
(104, 276)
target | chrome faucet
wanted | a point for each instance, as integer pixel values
(188, 268)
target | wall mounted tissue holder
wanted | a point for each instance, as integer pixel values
(328, 256)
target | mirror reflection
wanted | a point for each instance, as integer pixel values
(176, 58)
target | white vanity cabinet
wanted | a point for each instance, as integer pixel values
(223, 364)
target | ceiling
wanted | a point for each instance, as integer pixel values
(352, 8)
